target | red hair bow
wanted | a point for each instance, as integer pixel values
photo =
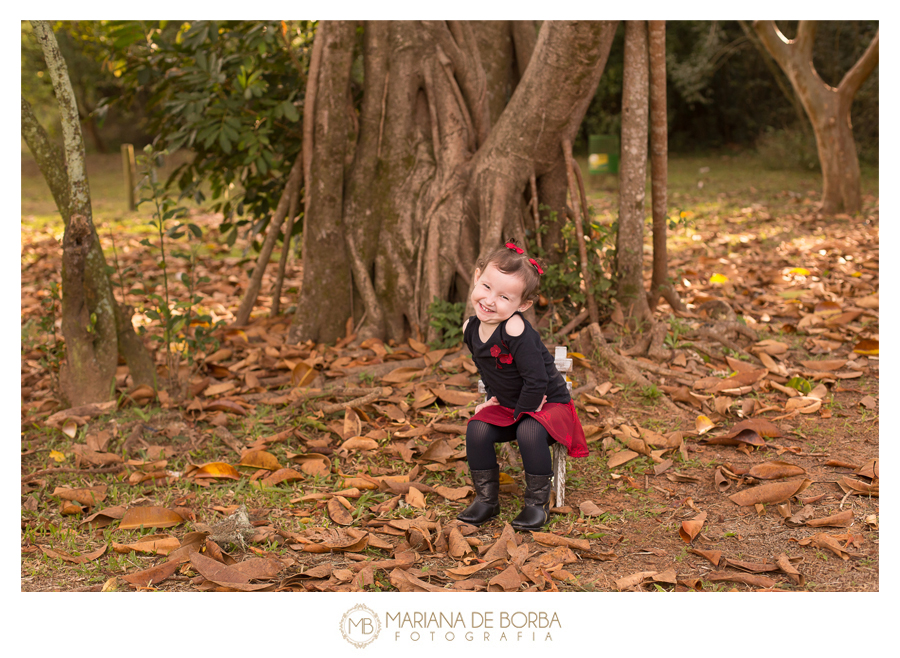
(536, 266)
(518, 250)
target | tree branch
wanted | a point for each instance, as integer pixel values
(806, 38)
(778, 75)
(79, 196)
(293, 183)
(861, 70)
(457, 41)
(524, 37)
(49, 157)
(309, 106)
(774, 41)
(579, 202)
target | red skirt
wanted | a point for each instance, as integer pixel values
(560, 420)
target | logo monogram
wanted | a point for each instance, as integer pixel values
(360, 626)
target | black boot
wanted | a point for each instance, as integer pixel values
(537, 503)
(487, 497)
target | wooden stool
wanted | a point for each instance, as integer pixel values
(557, 451)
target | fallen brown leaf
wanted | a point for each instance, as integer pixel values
(784, 564)
(87, 496)
(406, 582)
(589, 508)
(777, 492)
(154, 544)
(634, 579)
(775, 470)
(692, 527)
(238, 576)
(549, 539)
(712, 556)
(508, 580)
(153, 575)
(260, 459)
(75, 559)
(150, 517)
(840, 520)
(338, 511)
(745, 578)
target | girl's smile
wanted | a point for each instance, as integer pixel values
(497, 295)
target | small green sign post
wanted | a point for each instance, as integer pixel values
(603, 154)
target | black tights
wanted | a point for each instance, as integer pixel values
(534, 445)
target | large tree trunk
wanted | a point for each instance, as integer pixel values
(633, 174)
(828, 109)
(431, 182)
(111, 330)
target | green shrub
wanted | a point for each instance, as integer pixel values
(447, 318)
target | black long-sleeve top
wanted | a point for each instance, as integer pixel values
(518, 370)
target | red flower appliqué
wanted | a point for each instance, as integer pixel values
(496, 352)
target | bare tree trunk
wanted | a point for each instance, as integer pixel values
(84, 377)
(111, 330)
(778, 75)
(828, 109)
(659, 166)
(579, 205)
(326, 274)
(285, 251)
(552, 188)
(290, 189)
(633, 175)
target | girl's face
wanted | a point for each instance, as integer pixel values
(497, 296)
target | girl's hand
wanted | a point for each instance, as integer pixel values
(489, 403)
(541, 405)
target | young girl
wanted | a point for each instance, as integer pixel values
(527, 397)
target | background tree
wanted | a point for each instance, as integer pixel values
(633, 174)
(659, 160)
(96, 329)
(723, 93)
(828, 108)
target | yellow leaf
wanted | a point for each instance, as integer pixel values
(505, 478)
(867, 347)
(217, 470)
(57, 456)
(703, 424)
(856, 274)
(802, 271)
(718, 278)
